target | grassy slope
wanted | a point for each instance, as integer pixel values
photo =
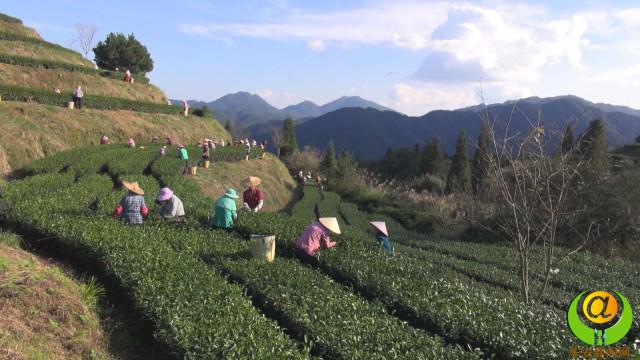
(41, 52)
(67, 81)
(18, 29)
(277, 184)
(32, 131)
(60, 325)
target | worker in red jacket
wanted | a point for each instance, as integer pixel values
(253, 198)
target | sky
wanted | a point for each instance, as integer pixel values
(412, 56)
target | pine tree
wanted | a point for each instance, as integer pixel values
(481, 159)
(432, 157)
(289, 143)
(459, 179)
(330, 164)
(567, 140)
(594, 149)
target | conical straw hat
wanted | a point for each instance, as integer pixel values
(331, 224)
(252, 180)
(133, 187)
(381, 226)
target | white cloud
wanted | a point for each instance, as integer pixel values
(515, 51)
(317, 45)
(418, 99)
(507, 47)
(413, 98)
(629, 17)
(400, 24)
(625, 76)
(279, 99)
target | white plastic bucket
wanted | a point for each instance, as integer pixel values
(263, 247)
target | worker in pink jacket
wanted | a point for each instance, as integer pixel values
(316, 236)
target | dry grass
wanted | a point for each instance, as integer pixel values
(41, 52)
(18, 29)
(32, 131)
(43, 315)
(277, 184)
(92, 84)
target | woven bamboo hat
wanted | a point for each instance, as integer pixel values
(252, 180)
(330, 223)
(133, 187)
(380, 226)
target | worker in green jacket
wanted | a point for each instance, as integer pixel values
(184, 155)
(224, 210)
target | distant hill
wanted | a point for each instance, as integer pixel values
(245, 109)
(368, 133)
(303, 110)
(350, 102)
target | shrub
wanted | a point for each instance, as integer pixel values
(430, 183)
(306, 160)
(202, 112)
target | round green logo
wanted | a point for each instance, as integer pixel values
(593, 314)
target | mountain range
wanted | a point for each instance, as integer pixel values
(367, 130)
(368, 133)
(244, 109)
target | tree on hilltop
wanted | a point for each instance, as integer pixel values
(567, 140)
(459, 179)
(289, 143)
(432, 157)
(330, 164)
(120, 51)
(593, 147)
(480, 165)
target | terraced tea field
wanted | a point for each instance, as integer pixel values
(207, 298)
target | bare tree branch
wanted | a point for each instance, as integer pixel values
(85, 34)
(530, 191)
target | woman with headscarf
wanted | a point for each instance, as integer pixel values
(224, 210)
(131, 208)
(314, 237)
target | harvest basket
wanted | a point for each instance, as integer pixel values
(263, 247)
